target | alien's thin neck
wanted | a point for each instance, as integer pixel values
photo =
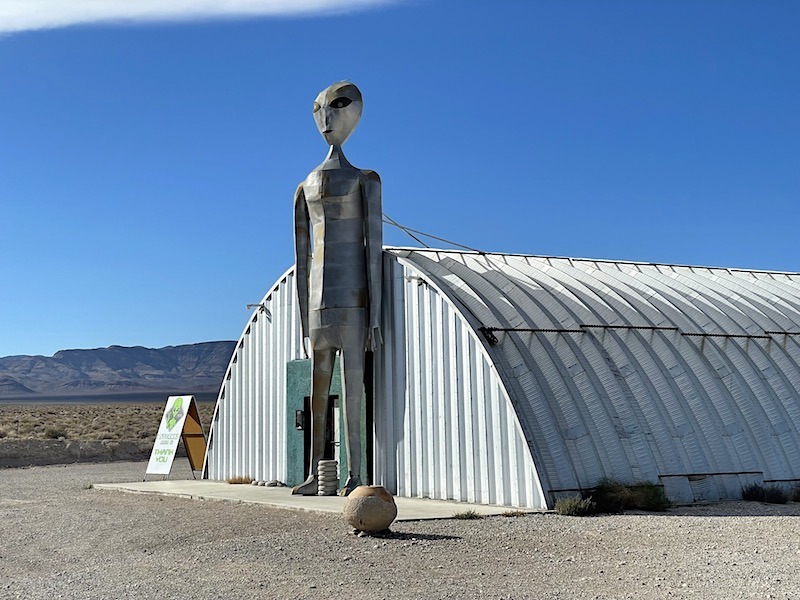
(335, 159)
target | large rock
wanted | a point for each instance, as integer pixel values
(370, 508)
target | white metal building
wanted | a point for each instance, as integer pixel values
(515, 380)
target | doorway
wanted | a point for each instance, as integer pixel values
(331, 448)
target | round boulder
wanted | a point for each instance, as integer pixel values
(369, 508)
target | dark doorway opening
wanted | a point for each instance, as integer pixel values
(329, 452)
(369, 393)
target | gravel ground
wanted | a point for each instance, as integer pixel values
(59, 538)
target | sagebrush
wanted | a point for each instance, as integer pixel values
(468, 514)
(89, 421)
(576, 506)
(773, 494)
(612, 496)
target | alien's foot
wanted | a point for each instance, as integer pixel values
(351, 484)
(308, 488)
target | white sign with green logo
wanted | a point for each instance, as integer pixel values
(169, 433)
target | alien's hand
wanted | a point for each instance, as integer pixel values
(374, 338)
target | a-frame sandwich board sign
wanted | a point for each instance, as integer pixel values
(180, 421)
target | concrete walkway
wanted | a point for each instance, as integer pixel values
(408, 509)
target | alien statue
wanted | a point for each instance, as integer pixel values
(339, 281)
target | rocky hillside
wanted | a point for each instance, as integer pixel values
(116, 369)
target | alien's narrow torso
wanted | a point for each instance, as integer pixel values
(338, 277)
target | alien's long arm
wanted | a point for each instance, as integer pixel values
(373, 231)
(302, 254)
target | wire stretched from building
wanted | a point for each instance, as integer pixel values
(410, 233)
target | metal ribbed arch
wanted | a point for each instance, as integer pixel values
(709, 435)
(756, 400)
(447, 428)
(675, 408)
(581, 284)
(582, 380)
(546, 354)
(732, 318)
(448, 274)
(721, 408)
(672, 355)
(778, 289)
(559, 390)
(556, 357)
(608, 366)
(545, 411)
(248, 431)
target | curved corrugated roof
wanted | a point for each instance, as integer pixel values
(643, 372)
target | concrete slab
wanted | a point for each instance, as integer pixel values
(408, 509)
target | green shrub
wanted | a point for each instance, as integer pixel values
(753, 492)
(775, 494)
(611, 496)
(576, 506)
(467, 514)
(647, 496)
(794, 495)
(54, 433)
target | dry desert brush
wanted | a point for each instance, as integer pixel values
(772, 494)
(775, 494)
(576, 506)
(240, 479)
(468, 515)
(794, 495)
(612, 496)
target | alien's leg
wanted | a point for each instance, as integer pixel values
(322, 369)
(352, 359)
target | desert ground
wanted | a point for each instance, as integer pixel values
(87, 421)
(63, 538)
(53, 433)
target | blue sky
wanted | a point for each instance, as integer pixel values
(147, 167)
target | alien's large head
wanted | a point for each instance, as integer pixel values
(337, 111)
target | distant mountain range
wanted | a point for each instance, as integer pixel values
(132, 371)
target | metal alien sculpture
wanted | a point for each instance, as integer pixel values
(339, 282)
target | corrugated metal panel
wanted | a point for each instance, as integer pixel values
(623, 370)
(599, 368)
(445, 414)
(248, 431)
(444, 427)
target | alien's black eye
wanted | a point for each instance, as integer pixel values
(340, 102)
(316, 107)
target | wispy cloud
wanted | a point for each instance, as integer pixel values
(25, 15)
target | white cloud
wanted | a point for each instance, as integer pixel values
(25, 15)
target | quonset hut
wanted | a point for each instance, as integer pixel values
(515, 380)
